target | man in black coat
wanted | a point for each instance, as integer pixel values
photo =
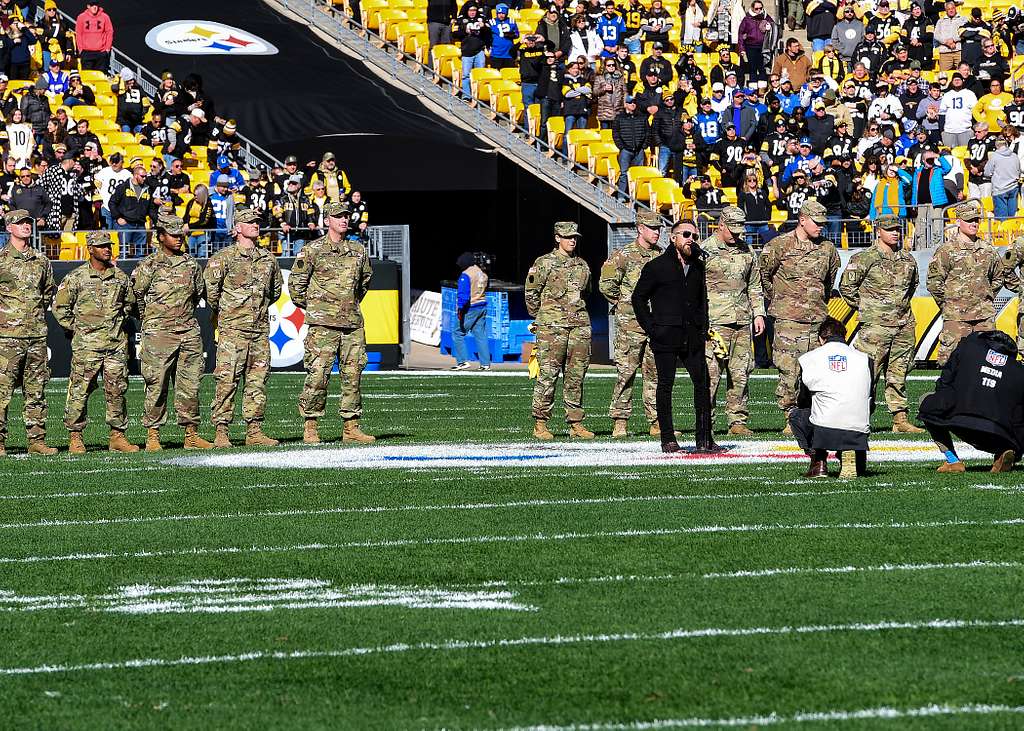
(671, 304)
(979, 397)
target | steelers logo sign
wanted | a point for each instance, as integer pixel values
(287, 329)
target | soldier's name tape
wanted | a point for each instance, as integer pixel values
(570, 454)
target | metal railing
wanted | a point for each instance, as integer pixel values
(504, 133)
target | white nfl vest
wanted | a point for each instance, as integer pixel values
(839, 378)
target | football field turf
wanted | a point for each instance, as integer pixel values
(619, 589)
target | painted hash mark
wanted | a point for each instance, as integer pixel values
(568, 454)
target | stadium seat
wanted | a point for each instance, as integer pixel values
(511, 74)
(603, 160)
(666, 195)
(638, 178)
(579, 140)
(533, 119)
(556, 130)
(86, 112)
(479, 82)
(446, 60)
(371, 10)
(389, 21)
(413, 39)
(507, 98)
(93, 77)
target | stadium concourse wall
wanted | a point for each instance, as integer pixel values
(381, 311)
(926, 312)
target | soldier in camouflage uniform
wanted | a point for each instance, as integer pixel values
(880, 282)
(1013, 278)
(92, 304)
(631, 349)
(26, 291)
(735, 301)
(242, 281)
(329, 279)
(965, 275)
(556, 289)
(798, 272)
(168, 285)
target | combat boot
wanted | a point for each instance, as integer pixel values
(848, 462)
(222, 440)
(740, 430)
(577, 430)
(194, 441)
(3, 449)
(118, 443)
(787, 431)
(619, 430)
(153, 440)
(1005, 461)
(656, 431)
(75, 443)
(310, 435)
(902, 425)
(951, 467)
(352, 433)
(540, 430)
(38, 446)
(254, 436)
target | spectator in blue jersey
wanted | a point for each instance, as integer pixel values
(471, 309)
(611, 29)
(474, 35)
(235, 180)
(790, 99)
(56, 79)
(222, 200)
(504, 33)
(708, 122)
(803, 161)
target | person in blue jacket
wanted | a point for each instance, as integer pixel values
(611, 29)
(504, 33)
(804, 161)
(471, 309)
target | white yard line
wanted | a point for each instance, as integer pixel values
(536, 537)
(505, 643)
(98, 493)
(513, 504)
(886, 567)
(881, 713)
(523, 374)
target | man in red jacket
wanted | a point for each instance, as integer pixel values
(95, 36)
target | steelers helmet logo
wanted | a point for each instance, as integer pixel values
(287, 329)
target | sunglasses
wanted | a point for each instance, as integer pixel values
(685, 235)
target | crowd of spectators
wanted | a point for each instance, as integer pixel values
(895, 108)
(173, 150)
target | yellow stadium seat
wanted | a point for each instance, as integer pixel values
(480, 79)
(638, 178)
(607, 136)
(85, 112)
(579, 140)
(389, 22)
(528, 19)
(556, 130)
(603, 160)
(371, 10)
(446, 60)
(666, 195)
(533, 119)
(511, 74)
(507, 98)
(92, 76)
(413, 39)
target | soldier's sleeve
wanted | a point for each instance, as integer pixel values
(997, 274)
(64, 302)
(365, 273)
(142, 277)
(534, 286)
(588, 280)
(936, 282)
(769, 265)
(130, 303)
(849, 285)
(214, 279)
(834, 264)
(611, 278)
(277, 282)
(50, 287)
(915, 279)
(755, 288)
(641, 300)
(298, 281)
(198, 285)
(1013, 259)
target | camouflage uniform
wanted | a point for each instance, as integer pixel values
(735, 298)
(26, 291)
(880, 286)
(94, 305)
(556, 288)
(964, 277)
(798, 279)
(329, 280)
(1013, 277)
(630, 350)
(168, 289)
(240, 285)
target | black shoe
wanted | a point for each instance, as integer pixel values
(709, 448)
(669, 447)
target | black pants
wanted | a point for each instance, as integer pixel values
(983, 441)
(696, 366)
(96, 60)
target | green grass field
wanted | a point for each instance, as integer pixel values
(140, 594)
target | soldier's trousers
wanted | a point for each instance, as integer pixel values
(323, 346)
(953, 331)
(892, 350)
(737, 370)
(86, 368)
(240, 355)
(561, 349)
(170, 357)
(24, 360)
(792, 339)
(632, 354)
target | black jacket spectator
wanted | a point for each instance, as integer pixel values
(630, 131)
(649, 97)
(821, 20)
(440, 11)
(659, 66)
(668, 130)
(564, 43)
(32, 198)
(129, 108)
(472, 33)
(36, 108)
(134, 207)
(821, 129)
(531, 63)
(672, 309)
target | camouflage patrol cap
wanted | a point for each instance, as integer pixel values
(888, 221)
(814, 211)
(969, 211)
(567, 230)
(17, 216)
(734, 219)
(649, 219)
(246, 215)
(98, 238)
(336, 210)
(171, 224)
